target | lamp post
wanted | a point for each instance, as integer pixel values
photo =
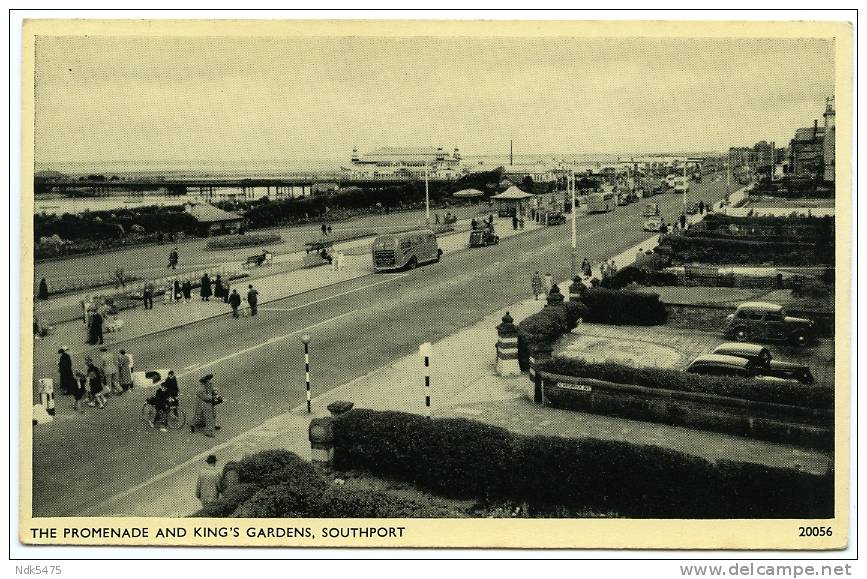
(305, 339)
(571, 186)
(426, 197)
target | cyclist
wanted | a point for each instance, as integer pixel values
(164, 399)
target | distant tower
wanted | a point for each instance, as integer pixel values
(828, 142)
(355, 158)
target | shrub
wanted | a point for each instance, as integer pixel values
(792, 394)
(540, 330)
(270, 502)
(620, 307)
(463, 458)
(229, 501)
(270, 467)
(232, 241)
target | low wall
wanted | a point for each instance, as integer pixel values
(796, 425)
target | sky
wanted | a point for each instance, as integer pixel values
(176, 100)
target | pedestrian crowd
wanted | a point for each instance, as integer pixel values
(92, 384)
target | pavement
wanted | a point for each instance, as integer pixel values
(463, 384)
(356, 326)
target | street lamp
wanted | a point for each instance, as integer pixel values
(426, 197)
(570, 184)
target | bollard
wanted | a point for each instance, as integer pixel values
(46, 395)
(507, 348)
(425, 350)
(539, 354)
(576, 289)
(306, 340)
(555, 298)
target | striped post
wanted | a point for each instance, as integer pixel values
(507, 348)
(425, 351)
(306, 340)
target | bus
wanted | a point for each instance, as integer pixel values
(601, 202)
(405, 250)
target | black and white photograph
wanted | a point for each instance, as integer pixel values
(435, 284)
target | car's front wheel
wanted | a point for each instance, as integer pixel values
(741, 334)
(800, 338)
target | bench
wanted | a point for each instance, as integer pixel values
(265, 258)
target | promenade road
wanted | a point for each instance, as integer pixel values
(355, 327)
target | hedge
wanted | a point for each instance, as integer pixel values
(245, 240)
(270, 467)
(618, 307)
(543, 328)
(628, 275)
(465, 459)
(793, 394)
(695, 249)
(230, 500)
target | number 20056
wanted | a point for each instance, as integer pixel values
(814, 531)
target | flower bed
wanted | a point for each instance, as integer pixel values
(246, 240)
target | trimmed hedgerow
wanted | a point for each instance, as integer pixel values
(466, 459)
(270, 467)
(617, 307)
(695, 249)
(788, 393)
(246, 240)
(628, 275)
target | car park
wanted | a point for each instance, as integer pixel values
(764, 362)
(765, 321)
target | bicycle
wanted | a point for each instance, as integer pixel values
(175, 417)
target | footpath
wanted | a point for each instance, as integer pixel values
(463, 383)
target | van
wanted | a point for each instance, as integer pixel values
(405, 250)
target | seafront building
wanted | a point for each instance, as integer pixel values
(405, 162)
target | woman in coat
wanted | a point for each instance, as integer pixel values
(124, 370)
(187, 290)
(218, 287)
(206, 288)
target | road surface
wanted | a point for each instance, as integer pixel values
(355, 327)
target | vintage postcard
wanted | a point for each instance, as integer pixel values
(436, 284)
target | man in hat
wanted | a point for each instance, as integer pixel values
(235, 302)
(68, 383)
(252, 300)
(208, 484)
(206, 399)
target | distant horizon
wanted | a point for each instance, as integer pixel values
(170, 100)
(241, 164)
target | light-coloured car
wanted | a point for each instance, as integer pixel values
(653, 223)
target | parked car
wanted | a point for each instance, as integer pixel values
(483, 238)
(722, 365)
(651, 209)
(764, 321)
(762, 359)
(555, 218)
(653, 224)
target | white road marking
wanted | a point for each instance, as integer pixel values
(267, 342)
(314, 302)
